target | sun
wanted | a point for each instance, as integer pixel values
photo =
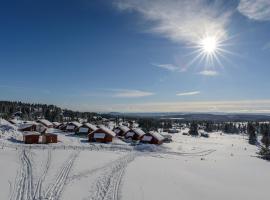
(210, 49)
(209, 44)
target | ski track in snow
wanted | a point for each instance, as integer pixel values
(23, 188)
(55, 189)
(38, 189)
(107, 186)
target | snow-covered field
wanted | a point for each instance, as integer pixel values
(219, 167)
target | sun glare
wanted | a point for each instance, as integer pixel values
(209, 44)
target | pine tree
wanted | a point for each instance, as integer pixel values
(193, 129)
(208, 127)
(252, 134)
(265, 148)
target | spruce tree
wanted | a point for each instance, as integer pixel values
(252, 134)
(193, 129)
(265, 147)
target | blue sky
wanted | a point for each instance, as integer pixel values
(137, 56)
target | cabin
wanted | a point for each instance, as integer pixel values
(102, 134)
(49, 138)
(86, 128)
(28, 126)
(135, 134)
(73, 127)
(56, 124)
(41, 128)
(152, 138)
(45, 123)
(62, 126)
(31, 137)
(121, 130)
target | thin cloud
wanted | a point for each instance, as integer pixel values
(209, 73)
(169, 67)
(121, 93)
(181, 21)
(239, 106)
(255, 9)
(188, 93)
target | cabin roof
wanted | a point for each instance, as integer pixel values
(106, 130)
(138, 131)
(91, 126)
(28, 133)
(156, 135)
(45, 122)
(123, 128)
(75, 123)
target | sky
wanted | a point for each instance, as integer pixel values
(137, 56)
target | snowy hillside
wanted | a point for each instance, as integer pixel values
(220, 167)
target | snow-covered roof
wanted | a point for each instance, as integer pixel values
(76, 124)
(123, 128)
(138, 131)
(91, 126)
(30, 133)
(56, 123)
(26, 125)
(156, 135)
(109, 131)
(45, 122)
(16, 121)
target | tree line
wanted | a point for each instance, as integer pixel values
(34, 111)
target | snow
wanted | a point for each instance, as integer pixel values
(45, 122)
(219, 167)
(156, 135)
(25, 133)
(77, 124)
(138, 131)
(91, 126)
(106, 130)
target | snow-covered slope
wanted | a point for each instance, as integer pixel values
(220, 167)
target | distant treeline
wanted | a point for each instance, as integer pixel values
(33, 111)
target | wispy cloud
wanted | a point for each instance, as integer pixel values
(188, 93)
(255, 9)
(169, 67)
(208, 73)
(181, 21)
(123, 93)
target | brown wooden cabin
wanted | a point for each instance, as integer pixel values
(152, 138)
(49, 138)
(135, 134)
(121, 130)
(31, 137)
(86, 128)
(73, 127)
(102, 134)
